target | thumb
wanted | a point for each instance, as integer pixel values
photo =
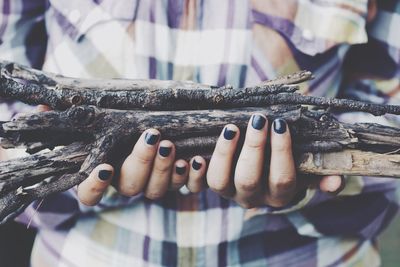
(332, 184)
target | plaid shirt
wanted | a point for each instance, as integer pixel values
(353, 48)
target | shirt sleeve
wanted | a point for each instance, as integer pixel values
(23, 40)
(23, 36)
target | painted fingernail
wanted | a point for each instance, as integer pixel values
(279, 126)
(196, 165)
(229, 134)
(151, 139)
(258, 122)
(180, 170)
(165, 151)
(105, 175)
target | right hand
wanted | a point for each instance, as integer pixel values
(249, 180)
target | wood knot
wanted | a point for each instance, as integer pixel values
(82, 115)
(218, 99)
(76, 100)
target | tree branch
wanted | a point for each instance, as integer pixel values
(99, 121)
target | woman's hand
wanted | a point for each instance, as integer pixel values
(252, 185)
(150, 169)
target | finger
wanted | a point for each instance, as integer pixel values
(161, 173)
(282, 174)
(179, 175)
(250, 164)
(91, 190)
(219, 171)
(43, 108)
(305, 181)
(196, 181)
(332, 184)
(136, 169)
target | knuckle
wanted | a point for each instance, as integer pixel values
(223, 151)
(247, 184)
(283, 183)
(129, 190)
(246, 204)
(255, 144)
(278, 202)
(88, 201)
(153, 195)
(218, 185)
(95, 190)
(161, 169)
(144, 158)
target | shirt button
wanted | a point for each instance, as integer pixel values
(74, 16)
(308, 35)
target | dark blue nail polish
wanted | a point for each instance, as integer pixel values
(105, 175)
(258, 122)
(165, 151)
(279, 126)
(180, 170)
(196, 165)
(229, 134)
(151, 139)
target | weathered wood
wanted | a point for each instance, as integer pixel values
(103, 131)
(350, 162)
(59, 92)
(99, 121)
(346, 162)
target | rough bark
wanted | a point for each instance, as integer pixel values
(37, 87)
(99, 121)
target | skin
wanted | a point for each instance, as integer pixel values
(146, 171)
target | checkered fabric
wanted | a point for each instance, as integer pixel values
(352, 47)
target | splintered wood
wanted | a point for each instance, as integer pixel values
(99, 121)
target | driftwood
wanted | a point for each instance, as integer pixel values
(99, 121)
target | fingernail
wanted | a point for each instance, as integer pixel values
(180, 170)
(151, 139)
(105, 175)
(341, 187)
(165, 151)
(196, 165)
(258, 122)
(279, 126)
(229, 134)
